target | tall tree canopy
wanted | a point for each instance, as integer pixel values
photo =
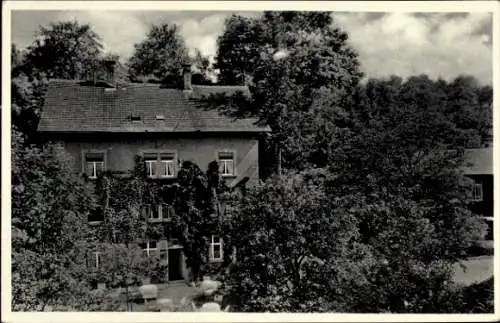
(49, 213)
(161, 55)
(287, 58)
(67, 50)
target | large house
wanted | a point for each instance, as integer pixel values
(105, 125)
(480, 169)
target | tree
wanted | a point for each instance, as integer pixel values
(202, 67)
(49, 209)
(161, 55)
(297, 248)
(67, 50)
(26, 94)
(238, 49)
(289, 58)
(401, 155)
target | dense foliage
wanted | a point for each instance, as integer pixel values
(49, 207)
(162, 54)
(288, 58)
(367, 216)
(64, 50)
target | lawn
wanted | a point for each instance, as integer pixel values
(477, 269)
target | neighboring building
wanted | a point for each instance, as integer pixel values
(480, 169)
(104, 126)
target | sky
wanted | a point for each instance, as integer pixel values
(437, 44)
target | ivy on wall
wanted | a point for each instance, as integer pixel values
(200, 202)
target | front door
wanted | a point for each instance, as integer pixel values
(174, 264)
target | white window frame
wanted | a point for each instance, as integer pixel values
(213, 244)
(93, 161)
(223, 163)
(166, 208)
(157, 163)
(94, 168)
(162, 211)
(148, 249)
(165, 163)
(150, 208)
(97, 255)
(152, 167)
(477, 192)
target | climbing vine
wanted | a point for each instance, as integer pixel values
(200, 203)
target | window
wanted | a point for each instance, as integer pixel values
(151, 212)
(149, 247)
(158, 212)
(94, 164)
(166, 211)
(97, 255)
(151, 161)
(215, 252)
(96, 216)
(160, 165)
(167, 165)
(477, 192)
(226, 163)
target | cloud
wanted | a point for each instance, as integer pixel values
(119, 30)
(440, 45)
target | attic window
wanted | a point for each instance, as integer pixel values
(160, 117)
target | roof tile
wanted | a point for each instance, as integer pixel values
(479, 161)
(71, 107)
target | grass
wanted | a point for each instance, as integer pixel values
(477, 269)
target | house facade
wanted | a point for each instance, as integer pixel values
(479, 168)
(104, 126)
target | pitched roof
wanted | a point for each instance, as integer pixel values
(72, 107)
(479, 161)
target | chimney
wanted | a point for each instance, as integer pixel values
(186, 75)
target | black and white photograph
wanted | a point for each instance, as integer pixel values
(273, 160)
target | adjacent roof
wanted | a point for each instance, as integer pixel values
(72, 107)
(479, 161)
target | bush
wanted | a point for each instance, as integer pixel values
(478, 298)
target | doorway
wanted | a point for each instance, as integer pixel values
(175, 264)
